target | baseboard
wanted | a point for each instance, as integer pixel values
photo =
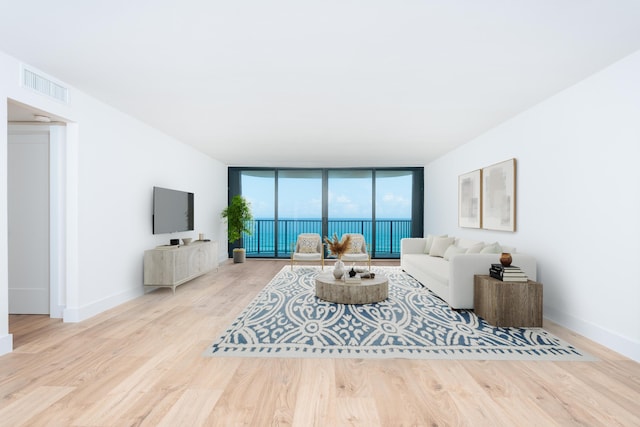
(78, 314)
(623, 345)
(6, 344)
(57, 312)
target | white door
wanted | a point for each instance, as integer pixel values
(28, 209)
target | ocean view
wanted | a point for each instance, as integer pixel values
(387, 236)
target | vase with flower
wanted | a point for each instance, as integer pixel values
(337, 248)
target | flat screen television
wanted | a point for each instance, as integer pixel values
(172, 211)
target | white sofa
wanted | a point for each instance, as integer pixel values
(446, 265)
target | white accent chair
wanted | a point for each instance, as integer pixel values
(307, 248)
(358, 250)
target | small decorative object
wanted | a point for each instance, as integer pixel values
(505, 259)
(354, 279)
(338, 269)
(201, 236)
(186, 240)
(352, 272)
(174, 242)
(336, 246)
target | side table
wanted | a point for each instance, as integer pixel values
(508, 304)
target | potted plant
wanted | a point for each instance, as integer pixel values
(237, 216)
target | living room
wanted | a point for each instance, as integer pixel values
(574, 196)
(576, 204)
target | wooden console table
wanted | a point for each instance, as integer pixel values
(170, 266)
(508, 304)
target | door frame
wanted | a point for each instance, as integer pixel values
(57, 247)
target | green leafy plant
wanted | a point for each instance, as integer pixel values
(237, 215)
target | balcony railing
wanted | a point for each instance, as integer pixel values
(385, 244)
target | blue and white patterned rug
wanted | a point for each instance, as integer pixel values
(286, 319)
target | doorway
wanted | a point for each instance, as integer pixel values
(37, 153)
(28, 181)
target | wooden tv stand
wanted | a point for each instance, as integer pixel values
(171, 266)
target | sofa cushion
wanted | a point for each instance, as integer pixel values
(427, 269)
(430, 237)
(438, 269)
(308, 244)
(475, 249)
(493, 248)
(356, 245)
(453, 250)
(467, 243)
(440, 245)
(302, 256)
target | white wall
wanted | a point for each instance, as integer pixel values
(112, 163)
(578, 201)
(120, 160)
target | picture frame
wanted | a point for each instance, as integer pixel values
(499, 196)
(470, 199)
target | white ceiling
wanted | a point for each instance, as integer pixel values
(321, 82)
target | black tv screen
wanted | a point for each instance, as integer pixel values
(172, 210)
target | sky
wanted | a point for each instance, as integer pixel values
(349, 194)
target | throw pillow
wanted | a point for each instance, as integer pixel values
(466, 243)
(440, 245)
(475, 249)
(308, 244)
(493, 248)
(453, 250)
(430, 237)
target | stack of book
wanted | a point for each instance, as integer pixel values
(352, 279)
(507, 274)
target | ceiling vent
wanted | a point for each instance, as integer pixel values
(38, 82)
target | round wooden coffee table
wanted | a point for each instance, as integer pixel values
(366, 292)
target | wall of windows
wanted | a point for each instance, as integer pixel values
(385, 205)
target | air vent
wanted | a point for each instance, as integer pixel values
(41, 84)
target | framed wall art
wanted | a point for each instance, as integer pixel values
(499, 196)
(470, 199)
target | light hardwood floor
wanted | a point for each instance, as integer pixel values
(141, 364)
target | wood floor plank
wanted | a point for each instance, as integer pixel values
(588, 409)
(192, 408)
(472, 403)
(624, 391)
(397, 401)
(438, 407)
(261, 391)
(131, 389)
(357, 411)
(142, 364)
(351, 378)
(20, 411)
(496, 379)
(316, 396)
